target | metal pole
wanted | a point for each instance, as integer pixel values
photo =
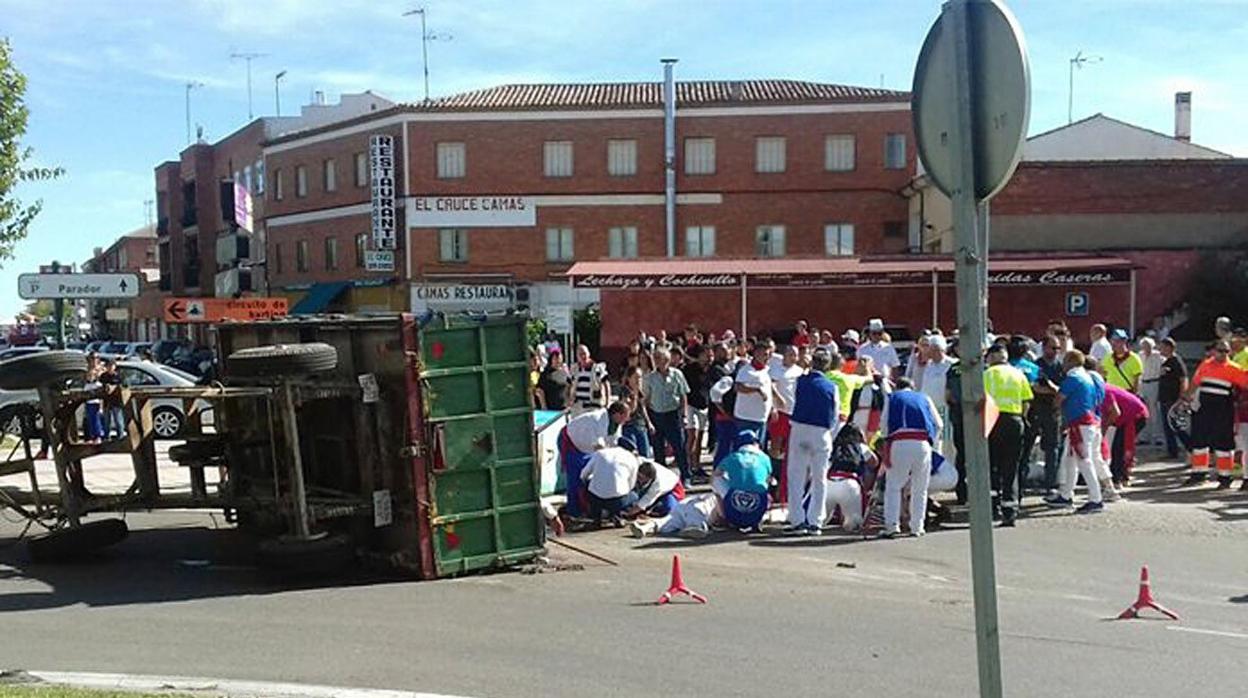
(58, 312)
(1070, 93)
(298, 490)
(1131, 317)
(188, 112)
(744, 296)
(250, 112)
(970, 262)
(424, 51)
(277, 91)
(935, 299)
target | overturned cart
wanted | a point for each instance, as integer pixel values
(370, 440)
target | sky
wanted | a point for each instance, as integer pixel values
(107, 77)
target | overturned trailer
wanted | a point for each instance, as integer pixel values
(386, 440)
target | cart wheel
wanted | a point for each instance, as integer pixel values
(36, 370)
(197, 449)
(72, 543)
(322, 555)
(283, 360)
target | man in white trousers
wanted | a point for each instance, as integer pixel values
(912, 426)
(814, 423)
(1080, 398)
(1149, 383)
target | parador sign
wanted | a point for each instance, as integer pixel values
(631, 281)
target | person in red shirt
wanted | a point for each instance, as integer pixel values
(1212, 394)
(801, 335)
(1132, 415)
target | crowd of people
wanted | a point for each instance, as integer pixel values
(838, 430)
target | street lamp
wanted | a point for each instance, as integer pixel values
(190, 86)
(277, 92)
(1077, 62)
(248, 57)
(425, 38)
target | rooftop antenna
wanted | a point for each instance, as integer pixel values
(277, 92)
(1078, 61)
(148, 204)
(248, 57)
(425, 37)
(190, 85)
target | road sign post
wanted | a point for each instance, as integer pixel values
(58, 312)
(971, 104)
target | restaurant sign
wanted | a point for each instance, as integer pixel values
(920, 277)
(623, 282)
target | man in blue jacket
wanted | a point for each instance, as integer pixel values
(814, 423)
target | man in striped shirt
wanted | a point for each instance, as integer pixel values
(590, 387)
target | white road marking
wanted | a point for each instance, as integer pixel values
(1202, 631)
(162, 684)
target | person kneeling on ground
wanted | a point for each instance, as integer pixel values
(658, 490)
(741, 482)
(611, 474)
(851, 459)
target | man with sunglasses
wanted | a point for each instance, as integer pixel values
(1213, 387)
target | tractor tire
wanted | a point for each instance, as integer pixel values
(283, 360)
(69, 544)
(197, 449)
(37, 370)
(314, 557)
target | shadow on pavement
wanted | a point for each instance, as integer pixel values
(153, 565)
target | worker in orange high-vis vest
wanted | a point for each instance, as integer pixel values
(1214, 389)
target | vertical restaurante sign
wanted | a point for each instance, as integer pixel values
(381, 168)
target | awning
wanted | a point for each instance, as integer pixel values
(318, 298)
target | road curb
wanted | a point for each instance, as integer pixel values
(208, 686)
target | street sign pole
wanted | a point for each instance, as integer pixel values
(971, 261)
(58, 312)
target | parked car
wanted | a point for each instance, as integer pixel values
(165, 349)
(199, 361)
(95, 346)
(168, 418)
(21, 351)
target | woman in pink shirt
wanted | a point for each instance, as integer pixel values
(1130, 414)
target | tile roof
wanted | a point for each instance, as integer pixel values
(650, 94)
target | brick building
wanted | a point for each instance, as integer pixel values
(202, 249)
(501, 190)
(125, 319)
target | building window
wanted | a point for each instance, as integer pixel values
(247, 178)
(559, 245)
(699, 156)
(301, 255)
(838, 239)
(896, 229)
(451, 159)
(361, 247)
(622, 242)
(277, 258)
(769, 241)
(259, 180)
(361, 169)
(277, 184)
(622, 158)
(895, 151)
(769, 154)
(331, 175)
(331, 254)
(301, 181)
(700, 241)
(838, 152)
(557, 158)
(453, 245)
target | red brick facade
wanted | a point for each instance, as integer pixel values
(1170, 186)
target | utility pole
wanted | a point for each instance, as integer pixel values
(248, 57)
(58, 311)
(147, 211)
(190, 86)
(277, 92)
(425, 38)
(1078, 61)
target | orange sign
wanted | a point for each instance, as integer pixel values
(179, 310)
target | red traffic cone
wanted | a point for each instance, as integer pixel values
(678, 586)
(1145, 600)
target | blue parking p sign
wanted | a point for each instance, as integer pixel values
(1077, 304)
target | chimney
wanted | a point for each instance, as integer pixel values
(318, 97)
(1183, 116)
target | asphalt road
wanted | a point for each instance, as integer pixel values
(800, 616)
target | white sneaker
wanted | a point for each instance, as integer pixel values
(637, 530)
(695, 532)
(1108, 493)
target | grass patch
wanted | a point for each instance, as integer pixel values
(41, 691)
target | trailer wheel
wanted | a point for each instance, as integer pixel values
(324, 555)
(283, 360)
(72, 543)
(37, 370)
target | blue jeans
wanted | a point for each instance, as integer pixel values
(725, 436)
(94, 423)
(116, 421)
(664, 506)
(668, 430)
(612, 507)
(573, 463)
(639, 436)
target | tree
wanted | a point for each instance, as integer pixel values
(15, 216)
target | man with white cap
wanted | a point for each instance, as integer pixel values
(933, 381)
(882, 353)
(850, 342)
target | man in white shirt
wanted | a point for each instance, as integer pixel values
(611, 475)
(784, 371)
(1152, 360)
(1100, 344)
(755, 392)
(882, 354)
(659, 490)
(581, 438)
(932, 381)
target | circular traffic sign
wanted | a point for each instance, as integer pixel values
(1000, 94)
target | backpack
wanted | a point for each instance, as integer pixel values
(847, 451)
